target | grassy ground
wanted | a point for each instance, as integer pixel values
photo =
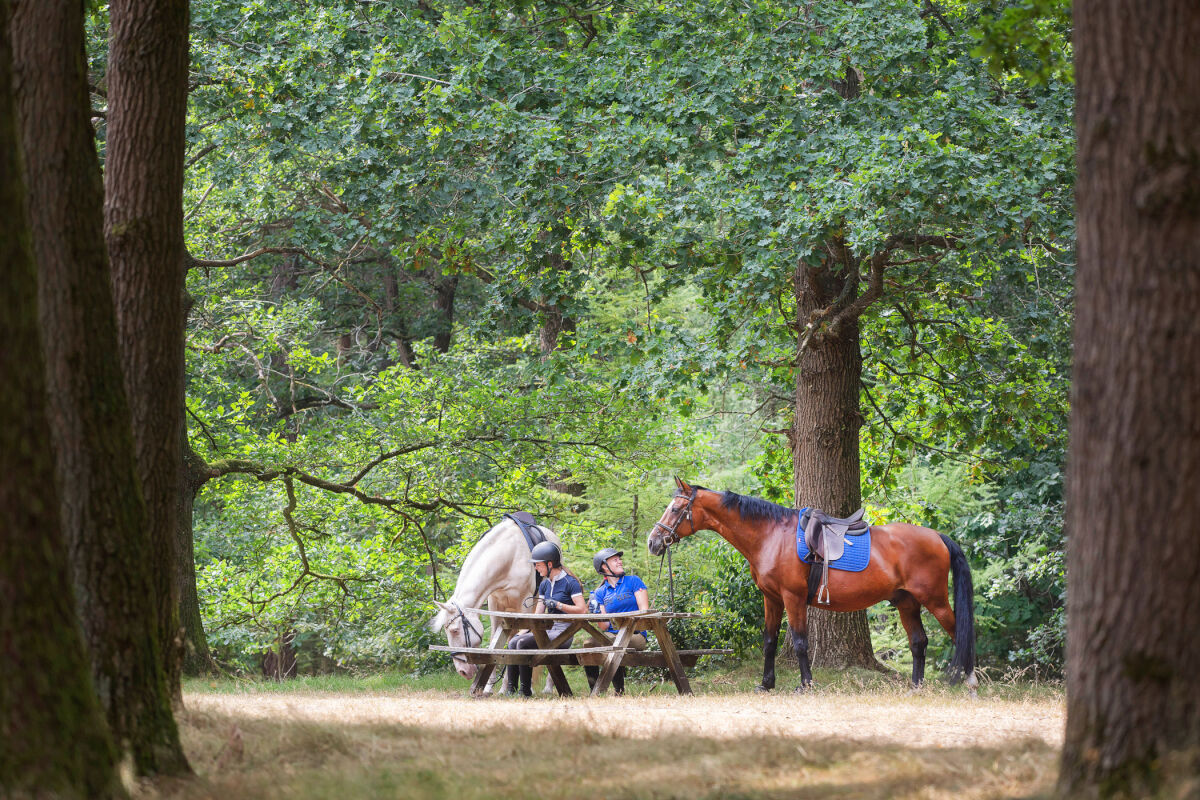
(858, 735)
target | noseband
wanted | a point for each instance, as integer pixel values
(467, 626)
(671, 537)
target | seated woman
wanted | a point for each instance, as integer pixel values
(616, 593)
(560, 593)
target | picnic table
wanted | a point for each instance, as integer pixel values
(598, 651)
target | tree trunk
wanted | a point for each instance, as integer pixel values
(197, 660)
(444, 290)
(825, 447)
(102, 511)
(55, 743)
(391, 297)
(1133, 713)
(147, 80)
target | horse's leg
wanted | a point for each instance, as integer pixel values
(772, 617)
(797, 611)
(940, 608)
(910, 618)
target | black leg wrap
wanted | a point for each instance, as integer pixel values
(800, 644)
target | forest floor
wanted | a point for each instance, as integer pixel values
(853, 737)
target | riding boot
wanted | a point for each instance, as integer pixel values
(618, 681)
(526, 680)
(513, 674)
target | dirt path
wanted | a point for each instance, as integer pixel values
(913, 721)
(426, 744)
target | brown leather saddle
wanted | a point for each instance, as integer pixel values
(825, 537)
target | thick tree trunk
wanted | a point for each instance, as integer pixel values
(197, 660)
(147, 80)
(102, 511)
(54, 740)
(1133, 711)
(825, 448)
(554, 324)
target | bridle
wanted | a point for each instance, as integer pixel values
(467, 626)
(671, 537)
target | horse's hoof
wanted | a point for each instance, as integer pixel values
(763, 689)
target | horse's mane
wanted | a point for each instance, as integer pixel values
(756, 507)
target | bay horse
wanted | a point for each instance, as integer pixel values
(909, 566)
(496, 571)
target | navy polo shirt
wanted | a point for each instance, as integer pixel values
(563, 589)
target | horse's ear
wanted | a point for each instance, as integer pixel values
(678, 483)
(439, 620)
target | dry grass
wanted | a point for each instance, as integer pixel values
(878, 743)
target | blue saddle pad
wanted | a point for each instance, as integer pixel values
(854, 558)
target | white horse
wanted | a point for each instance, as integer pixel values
(496, 571)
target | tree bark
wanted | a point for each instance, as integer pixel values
(444, 290)
(1133, 712)
(55, 742)
(102, 511)
(824, 442)
(147, 80)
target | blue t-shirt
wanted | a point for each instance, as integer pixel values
(563, 589)
(621, 597)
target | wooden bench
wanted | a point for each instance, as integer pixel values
(609, 655)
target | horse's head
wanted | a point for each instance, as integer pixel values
(463, 629)
(676, 522)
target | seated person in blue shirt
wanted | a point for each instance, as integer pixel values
(617, 592)
(560, 593)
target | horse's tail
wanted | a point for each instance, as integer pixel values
(963, 662)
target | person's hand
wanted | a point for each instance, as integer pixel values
(550, 603)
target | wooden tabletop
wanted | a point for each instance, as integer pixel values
(615, 615)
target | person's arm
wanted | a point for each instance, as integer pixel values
(578, 605)
(643, 599)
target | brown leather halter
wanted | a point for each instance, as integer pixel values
(671, 537)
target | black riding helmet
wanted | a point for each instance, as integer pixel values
(546, 551)
(601, 558)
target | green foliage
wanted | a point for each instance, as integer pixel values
(1031, 38)
(1021, 591)
(720, 587)
(518, 251)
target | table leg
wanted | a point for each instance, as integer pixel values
(674, 665)
(479, 685)
(481, 678)
(612, 662)
(556, 673)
